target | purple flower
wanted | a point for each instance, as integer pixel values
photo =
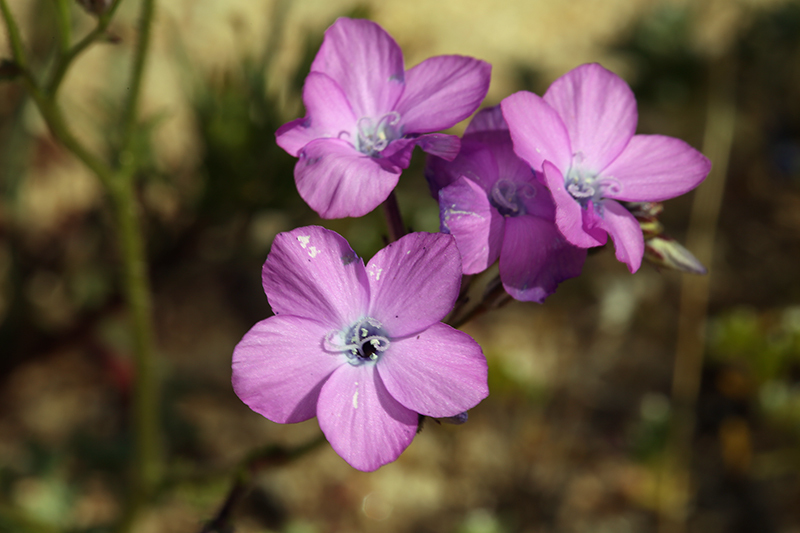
(365, 114)
(492, 203)
(363, 349)
(581, 136)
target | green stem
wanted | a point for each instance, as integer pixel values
(14, 38)
(147, 468)
(131, 109)
(65, 60)
(120, 185)
(63, 26)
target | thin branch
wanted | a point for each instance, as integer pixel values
(131, 108)
(269, 456)
(65, 61)
(14, 39)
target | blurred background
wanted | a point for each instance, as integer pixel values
(576, 434)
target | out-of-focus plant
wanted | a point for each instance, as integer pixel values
(117, 167)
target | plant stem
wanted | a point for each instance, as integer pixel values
(695, 292)
(65, 60)
(119, 182)
(268, 456)
(131, 109)
(63, 26)
(394, 220)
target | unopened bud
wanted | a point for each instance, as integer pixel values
(662, 250)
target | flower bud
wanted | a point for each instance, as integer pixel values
(663, 250)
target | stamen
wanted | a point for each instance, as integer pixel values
(506, 196)
(366, 341)
(374, 137)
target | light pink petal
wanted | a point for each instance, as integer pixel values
(625, 232)
(468, 216)
(337, 181)
(535, 258)
(364, 424)
(279, 367)
(599, 111)
(442, 91)
(414, 282)
(569, 213)
(439, 372)
(328, 114)
(537, 131)
(312, 272)
(487, 119)
(366, 63)
(653, 168)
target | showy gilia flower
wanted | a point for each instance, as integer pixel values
(362, 348)
(492, 203)
(365, 114)
(580, 135)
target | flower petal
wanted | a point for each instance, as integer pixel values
(364, 424)
(414, 282)
(366, 63)
(442, 91)
(487, 119)
(537, 131)
(625, 232)
(599, 111)
(279, 367)
(312, 272)
(337, 181)
(328, 114)
(535, 258)
(439, 372)
(569, 213)
(468, 216)
(440, 145)
(475, 161)
(653, 168)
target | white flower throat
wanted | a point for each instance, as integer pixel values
(373, 137)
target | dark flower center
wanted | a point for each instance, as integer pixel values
(508, 197)
(363, 342)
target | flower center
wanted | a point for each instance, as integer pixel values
(374, 136)
(364, 341)
(508, 197)
(586, 187)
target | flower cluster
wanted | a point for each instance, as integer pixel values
(533, 183)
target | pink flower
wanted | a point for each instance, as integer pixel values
(365, 114)
(362, 348)
(581, 137)
(492, 203)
